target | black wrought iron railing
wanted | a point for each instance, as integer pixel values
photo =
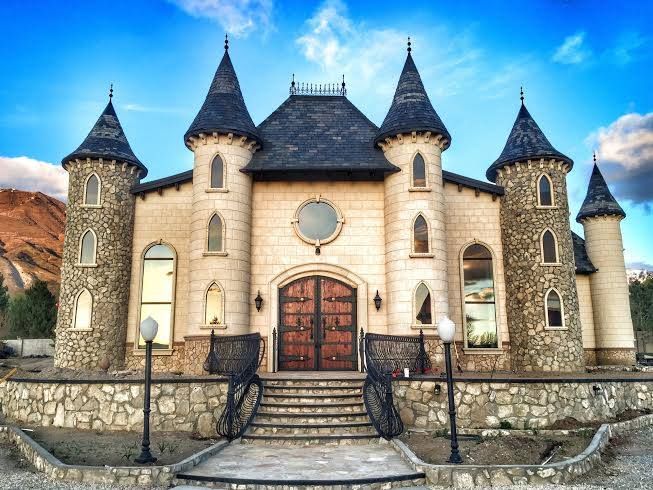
(237, 357)
(387, 356)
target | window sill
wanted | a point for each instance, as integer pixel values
(555, 328)
(217, 190)
(545, 207)
(80, 329)
(424, 327)
(155, 352)
(86, 266)
(487, 351)
(420, 189)
(212, 327)
(414, 255)
(551, 264)
(215, 254)
(91, 206)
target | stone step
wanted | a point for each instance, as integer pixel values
(313, 390)
(412, 481)
(308, 407)
(314, 383)
(304, 398)
(261, 428)
(338, 439)
(311, 418)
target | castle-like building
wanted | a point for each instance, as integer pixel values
(317, 224)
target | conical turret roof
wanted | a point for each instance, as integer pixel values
(224, 109)
(411, 109)
(599, 200)
(107, 140)
(526, 141)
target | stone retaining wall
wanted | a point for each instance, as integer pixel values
(523, 405)
(180, 406)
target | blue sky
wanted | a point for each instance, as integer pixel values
(586, 71)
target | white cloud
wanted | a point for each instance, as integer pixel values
(573, 50)
(625, 150)
(238, 17)
(149, 109)
(627, 48)
(27, 174)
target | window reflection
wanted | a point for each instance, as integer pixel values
(480, 308)
(215, 234)
(553, 309)
(423, 305)
(157, 291)
(549, 248)
(92, 196)
(217, 173)
(420, 235)
(87, 252)
(83, 310)
(318, 220)
(419, 171)
(545, 194)
(214, 311)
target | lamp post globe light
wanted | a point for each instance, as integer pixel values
(149, 328)
(447, 331)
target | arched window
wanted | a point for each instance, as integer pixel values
(83, 310)
(420, 235)
(217, 173)
(157, 293)
(419, 171)
(214, 306)
(553, 309)
(215, 241)
(92, 191)
(544, 191)
(87, 248)
(479, 303)
(422, 306)
(549, 248)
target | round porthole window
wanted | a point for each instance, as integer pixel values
(318, 221)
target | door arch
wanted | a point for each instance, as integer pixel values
(317, 325)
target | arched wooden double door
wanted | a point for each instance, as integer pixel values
(317, 325)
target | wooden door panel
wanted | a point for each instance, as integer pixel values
(338, 325)
(297, 325)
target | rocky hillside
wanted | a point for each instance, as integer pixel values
(31, 238)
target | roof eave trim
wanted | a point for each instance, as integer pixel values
(380, 138)
(106, 158)
(195, 133)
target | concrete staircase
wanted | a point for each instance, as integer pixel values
(311, 411)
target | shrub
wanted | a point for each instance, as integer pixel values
(34, 313)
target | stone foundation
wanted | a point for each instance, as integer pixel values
(615, 357)
(590, 357)
(468, 360)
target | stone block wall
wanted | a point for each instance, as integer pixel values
(485, 404)
(108, 281)
(534, 346)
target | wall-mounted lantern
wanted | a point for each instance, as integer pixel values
(258, 301)
(377, 301)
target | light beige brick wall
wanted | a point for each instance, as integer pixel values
(402, 205)
(612, 320)
(164, 217)
(586, 310)
(473, 218)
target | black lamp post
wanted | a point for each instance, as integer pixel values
(446, 331)
(149, 328)
(258, 301)
(377, 301)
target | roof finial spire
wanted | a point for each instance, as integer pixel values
(226, 42)
(521, 95)
(111, 92)
(409, 48)
(594, 155)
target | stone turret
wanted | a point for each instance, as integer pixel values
(545, 334)
(95, 274)
(413, 132)
(600, 216)
(222, 132)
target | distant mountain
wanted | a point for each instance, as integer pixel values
(31, 238)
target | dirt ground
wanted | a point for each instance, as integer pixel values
(91, 448)
(498, 450)
(570, 423)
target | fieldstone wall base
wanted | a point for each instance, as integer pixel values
(616, 357)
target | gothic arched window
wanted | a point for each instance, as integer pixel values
(83, 310)
(420, 235)
(157, 292)
(419, 171)
(479, 302)
(544, 191)
(422, 305)
(214, 306)
(217, 173)
(554, 309)
(92, 191)
(88, 248)
(549, 248)
(215, 241)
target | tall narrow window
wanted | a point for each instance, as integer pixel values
(420, 235)
(217, 173)
(214, 306)
(215, 240)
(87, 248)
(158, 284)
(419, 171)
(83, 310)
(545, 191)
(92, 191)
(479, 303)
(554, 312)
(423, 305)
(549, 248)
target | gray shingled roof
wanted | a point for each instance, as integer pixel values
(411, 109)
(583, 263)
(107, 140)
(224, 108)
(526, 141)
(599, 200)
(309, 133)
